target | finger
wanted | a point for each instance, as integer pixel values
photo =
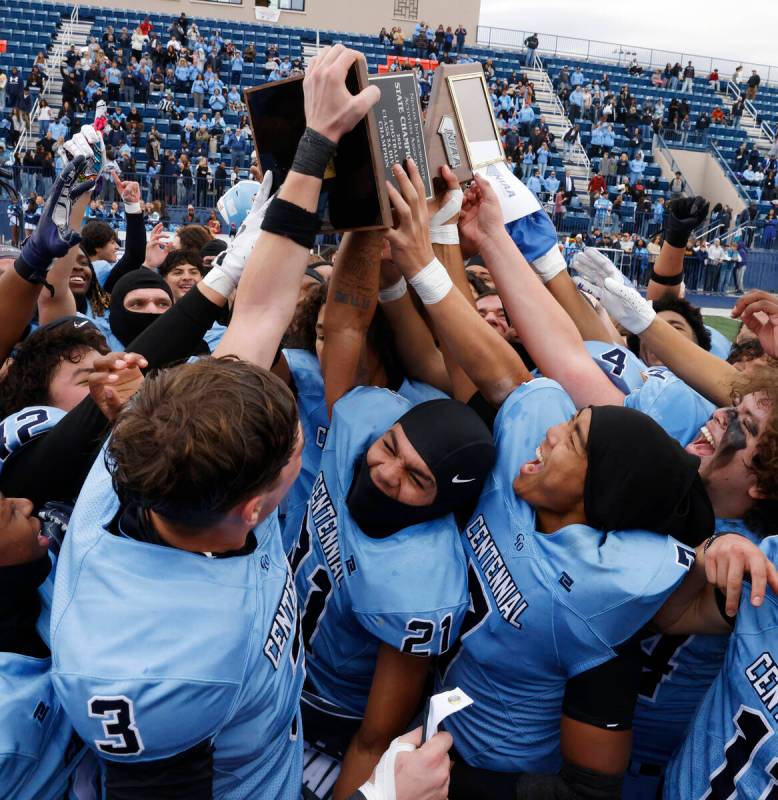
(772, 577)
(407, 188)
(413, 737)
(449, 177)
(757, 569)
(439, 743)
(734, 582)
(341, 61)
(398, 203)
(415, 176)
(747, 299)
(768, 306)
(711, 567)
(366, 99)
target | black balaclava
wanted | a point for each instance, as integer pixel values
(639, 477)
(127, 325)
(457, 447)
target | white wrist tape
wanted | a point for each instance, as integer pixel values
(220, 282)
(444, 234)
(393, 292)
(452, 206)
(132, 208)
(432, 284)
(384, 787)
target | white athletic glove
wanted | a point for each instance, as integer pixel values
(88, 143)
(624, 304)
(382, 784)
(228, 267)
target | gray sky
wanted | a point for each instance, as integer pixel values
(746, 31)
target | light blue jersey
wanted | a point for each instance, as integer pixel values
(39, 750)
(623, 368)
(157, 649)
(214, 335)
(719, 344)
(408, 590)
(731, 750)
(315, 422)
(672, 404)
(677, 672)
(16, 430)
(543, 607)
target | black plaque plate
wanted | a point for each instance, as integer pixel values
(400, 124)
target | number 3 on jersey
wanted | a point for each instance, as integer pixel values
(118, 716)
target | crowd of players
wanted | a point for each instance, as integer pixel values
(257, 509)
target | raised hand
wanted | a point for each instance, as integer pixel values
(330, 108)
(480, 217)
(88, 143)
(129, 191)
(53, 236)
(759, 312)
(228, 266)
(682, 217)
(410, 240)
(114, 379)
(156, 249)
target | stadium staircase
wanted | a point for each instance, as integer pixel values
(576, 164)
(758, 131)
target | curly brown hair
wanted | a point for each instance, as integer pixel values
(762, 517)
(200, 438)
(36, 359)
(193, 237)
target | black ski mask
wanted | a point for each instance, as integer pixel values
(659, 491)
(127, 325)
(457, 447)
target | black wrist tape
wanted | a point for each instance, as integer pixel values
(666, 280)
(291, 221)
(314, 152)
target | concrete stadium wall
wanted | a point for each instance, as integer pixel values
(705, 174)
(353, 16)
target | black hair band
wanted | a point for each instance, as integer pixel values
(289, 220)
(314, 152)
(666, 280)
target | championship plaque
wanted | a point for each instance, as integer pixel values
(460, 129)
(400, 125)
(354, 195)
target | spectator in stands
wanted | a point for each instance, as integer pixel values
(398, 41)
(24, 107)
(185, 187)
(657, 79)
(714, 258)
(597, 186)
(531, 43)
(728, 265)
(770, 230)
(737, 77)
(575, 103)
(688, 79)
(460, 33)
(634, 68)
(535, 184)
(713, 80)
(571, 139)
(527, 162)
(202, 175)
(220, 179)
(717, 116)
(677, 186)
(3, 87)
(752, 85)
(236, 68)
(250, 53)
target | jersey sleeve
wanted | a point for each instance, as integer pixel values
(672, 403)
(521, 424)
(142, 720)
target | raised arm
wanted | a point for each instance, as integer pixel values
(351, 303)
(542, 325)
(709, 375)
(682, 216)
(267, 294)
(489, 361)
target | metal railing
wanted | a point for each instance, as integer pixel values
(579, 157)
(617, 53)
(730, 173)
(660, 143)
(54, 61)
(766, 131)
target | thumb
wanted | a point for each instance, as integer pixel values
(412, 737)
(366, 99)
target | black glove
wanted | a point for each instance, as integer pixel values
(53, 236)
(682, 216)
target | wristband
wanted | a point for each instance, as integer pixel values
(132, 208)
(393, 292)
(289, 220)
(666, 280)
(452, 206)
(711, 539)
(444, 234)
(432, 284)
(219, 281)
(314, 152)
